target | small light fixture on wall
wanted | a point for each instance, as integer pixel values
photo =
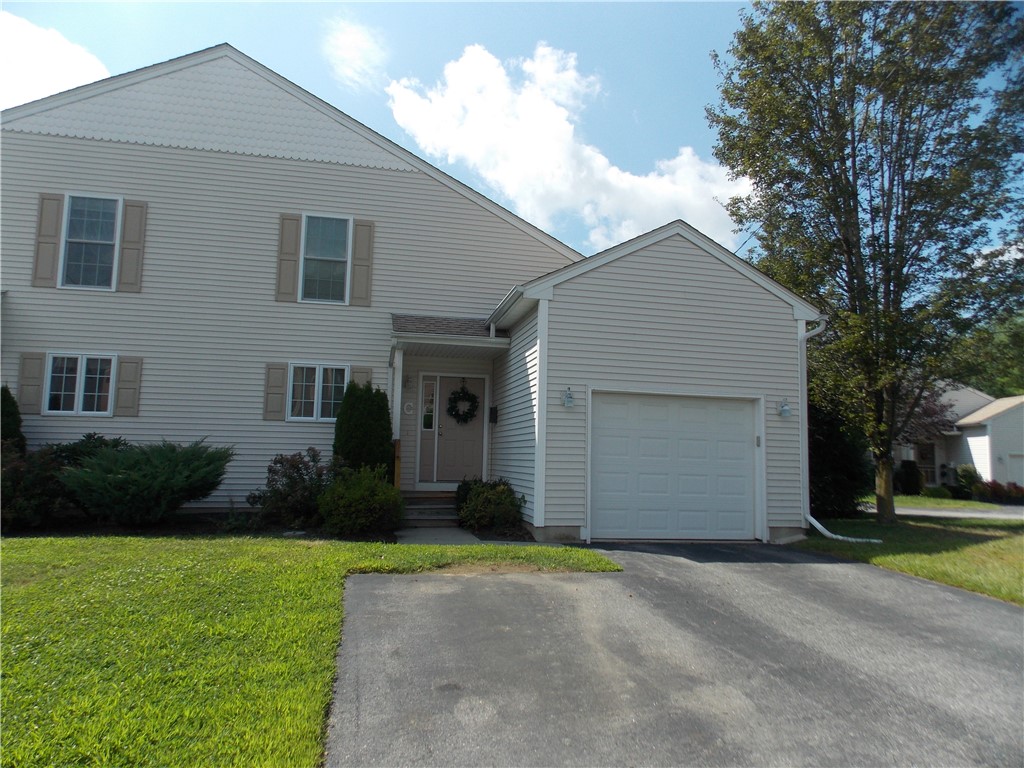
(567, 400)
(784, 409)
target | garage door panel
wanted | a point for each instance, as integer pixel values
(613, 483)
(693, 449)
(654, 484)
(672, 467)
(653, 448)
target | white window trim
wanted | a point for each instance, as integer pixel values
(79, 384)
(64, 241)
(348, 258)
(318, 387)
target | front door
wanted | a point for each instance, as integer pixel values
(451, 447)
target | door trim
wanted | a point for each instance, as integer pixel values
(481, 414)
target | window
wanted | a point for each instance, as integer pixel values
(79, 384)
(315, 391)
(90, 242)
(325, 259)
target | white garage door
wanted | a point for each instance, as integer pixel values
(666, 467)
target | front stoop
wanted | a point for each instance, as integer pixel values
(430, 509)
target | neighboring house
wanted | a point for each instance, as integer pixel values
(988, 434)
(992, 439)
(203, 249)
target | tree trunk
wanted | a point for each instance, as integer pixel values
(884, 502)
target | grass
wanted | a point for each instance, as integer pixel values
(984, 556)
(924, 502)
(126, 651)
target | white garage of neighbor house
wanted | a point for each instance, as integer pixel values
(259, 249)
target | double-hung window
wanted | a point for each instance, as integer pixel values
(79, 385)
(315, 391)
(326, 246)
(90, 242)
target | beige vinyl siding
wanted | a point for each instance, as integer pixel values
(514, 437)
(205, 322)
(669, 319)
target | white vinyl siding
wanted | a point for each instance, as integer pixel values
(514, 437)
(670, 319)
(206, 322)
(978, 450)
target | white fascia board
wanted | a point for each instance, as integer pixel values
(504, 306)
(481, 342)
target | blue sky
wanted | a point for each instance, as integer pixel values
(587, 119)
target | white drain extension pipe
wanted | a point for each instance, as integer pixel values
(822, 322)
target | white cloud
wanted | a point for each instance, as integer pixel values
(38, 62)
(515, 125)
(356, 54)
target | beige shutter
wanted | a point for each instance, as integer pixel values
(275, 392)
(31, 377)
(289, 243)
(48, 232)
(129, 384)
(133, 239)
(362, 375)
(362, 264)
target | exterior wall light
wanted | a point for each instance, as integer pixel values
(784, 409)
(567, 398)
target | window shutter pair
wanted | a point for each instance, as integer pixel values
(32, 378)
(275, 390)
(289, 260)
(50, 227)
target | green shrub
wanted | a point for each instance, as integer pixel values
(907, 479)
(32, 493)
(294, 483)
(145, 484)
(362, 431)
(10, 422)
(840, 472)
(361, 502)
(966, 478)
(463, 489)
(937, 493)
(491, 505)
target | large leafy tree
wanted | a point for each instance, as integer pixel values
(884, 143)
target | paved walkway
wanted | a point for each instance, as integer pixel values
(1002, 513)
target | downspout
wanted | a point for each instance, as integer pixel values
(804, 336)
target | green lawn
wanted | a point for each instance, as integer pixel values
(924, 502)
(127, 651)
(985, 556)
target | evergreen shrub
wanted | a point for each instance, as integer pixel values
(362, 431)
(907, 479)
(10, 422)
(145, 484)
(840, 472)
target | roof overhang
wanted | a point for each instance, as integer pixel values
(429, 345)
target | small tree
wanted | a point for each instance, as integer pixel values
(10, 422)
(840, 472)
(362, 432)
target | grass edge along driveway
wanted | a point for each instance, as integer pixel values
(190, 651)
(980, 555)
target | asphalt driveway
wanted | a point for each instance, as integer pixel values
(695, 655)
